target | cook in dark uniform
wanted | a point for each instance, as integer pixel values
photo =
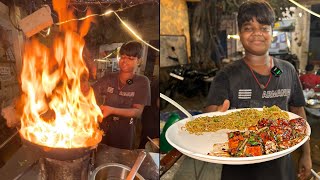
(124, 94)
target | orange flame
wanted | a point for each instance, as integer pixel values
(56, 113)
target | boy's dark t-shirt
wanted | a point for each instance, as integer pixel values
(120, 132)
(150, 117)
(236, 83)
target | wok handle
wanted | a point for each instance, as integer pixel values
(136, 165)
(168, 160)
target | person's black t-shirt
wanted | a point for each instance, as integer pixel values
(121, 131)
(236, 83)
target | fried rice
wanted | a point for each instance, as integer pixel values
(239, 120)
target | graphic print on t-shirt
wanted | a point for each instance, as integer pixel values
(276, 93)
(126, 94)
(244, 93)
(110, 90)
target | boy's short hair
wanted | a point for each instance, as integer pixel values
(131, 48)
(261, 10)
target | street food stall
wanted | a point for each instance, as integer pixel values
(53, 112)
(214, 26)
(30, 162)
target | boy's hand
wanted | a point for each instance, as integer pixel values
(106, 110)
(225, 106)
(305, 165)
(222, 108)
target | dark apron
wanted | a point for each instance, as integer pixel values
(119, 132)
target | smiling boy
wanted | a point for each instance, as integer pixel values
(125, 94)
(250, 83)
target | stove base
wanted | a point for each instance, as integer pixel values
(52, 169)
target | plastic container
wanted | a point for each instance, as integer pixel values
(164, 145)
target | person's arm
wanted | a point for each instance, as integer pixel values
(140, 99)
(135, 111)
(211, 108)
(222, 108)
(305, 163)
(218, 94)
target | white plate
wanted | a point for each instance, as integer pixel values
(198, 146)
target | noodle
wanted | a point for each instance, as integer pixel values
(238, 120)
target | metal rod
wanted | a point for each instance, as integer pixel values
(153, 142)
(136, 165)
(8, 140)
(174, 103)
(315, 174)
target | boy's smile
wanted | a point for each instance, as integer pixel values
(127, 63)
(255, 37)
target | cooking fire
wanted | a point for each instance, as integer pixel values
(56, 113)
(58, 119)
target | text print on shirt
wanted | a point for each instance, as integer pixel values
(247, 93)
(276, 93)
(126, 94)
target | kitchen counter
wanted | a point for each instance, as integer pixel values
(24, 160)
